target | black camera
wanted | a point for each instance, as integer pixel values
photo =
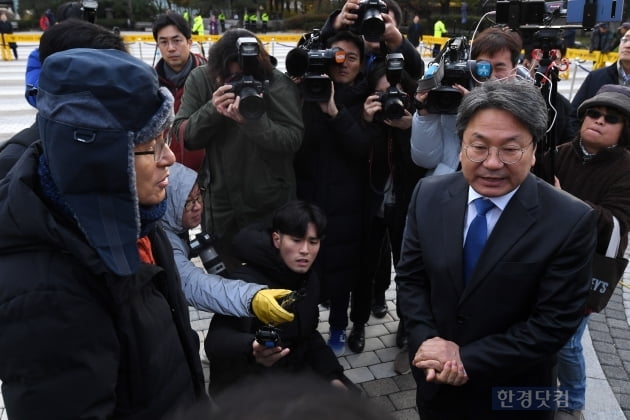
(311, 61)
(250, 91)
(452, 66)
(203, 247)
(288, 302)
(393, 100)
(369, 21)
(268, 336)
(247, 88)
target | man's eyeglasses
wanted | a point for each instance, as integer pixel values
(609, 118)
(190, 203)
(509, 155)
(161, 142)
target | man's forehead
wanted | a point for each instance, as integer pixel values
(348, 46)
(176, 32)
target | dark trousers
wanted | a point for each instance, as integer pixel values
(376, 277)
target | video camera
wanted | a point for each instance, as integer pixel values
(453, 66)
(394, 101)
(311, 62)
(250, 90)
(203, 247)
(369, 21)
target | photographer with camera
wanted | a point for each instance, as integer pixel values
(377, 21)
(280, 254)
(434, 141)
(392, 177)
(246, 114)
(330, 169)
(209, 291)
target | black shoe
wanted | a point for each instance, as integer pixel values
(356, 339)
(379, 310)
(401, 335)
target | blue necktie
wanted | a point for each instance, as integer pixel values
(476, 237)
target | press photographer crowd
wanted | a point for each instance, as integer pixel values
(222, 183)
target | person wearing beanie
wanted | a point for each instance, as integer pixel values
(94, 322)
(617, 73)
(595, 167)
(208, 291)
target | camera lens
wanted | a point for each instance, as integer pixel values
(316, 88)
(252, 105)
(372, 26)
(394, 109)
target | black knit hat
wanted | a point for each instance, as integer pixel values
(609, 96)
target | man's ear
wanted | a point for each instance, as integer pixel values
(275, 236)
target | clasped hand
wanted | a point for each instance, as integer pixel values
(441, 362)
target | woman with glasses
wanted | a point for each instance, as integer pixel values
(595, 167)
(209, 291)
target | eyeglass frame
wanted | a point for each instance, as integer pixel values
(158, 150)
(189, 204)
(611, 119)
(522, 150)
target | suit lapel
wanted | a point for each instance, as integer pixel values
(517, 218)
(452, 210)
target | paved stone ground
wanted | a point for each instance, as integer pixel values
(610, 335)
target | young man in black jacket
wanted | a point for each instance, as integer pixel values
(280, 256)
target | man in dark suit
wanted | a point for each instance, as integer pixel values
(476, 333)
(615, 74)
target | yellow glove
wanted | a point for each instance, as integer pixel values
(267, 309)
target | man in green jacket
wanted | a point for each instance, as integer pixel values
(439, 29)
(248, 169)
(197, 28)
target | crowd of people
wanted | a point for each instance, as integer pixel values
(307, 189)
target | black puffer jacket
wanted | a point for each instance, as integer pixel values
(229, 341)
(76, 341)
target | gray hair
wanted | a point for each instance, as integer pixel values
(520, 98)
